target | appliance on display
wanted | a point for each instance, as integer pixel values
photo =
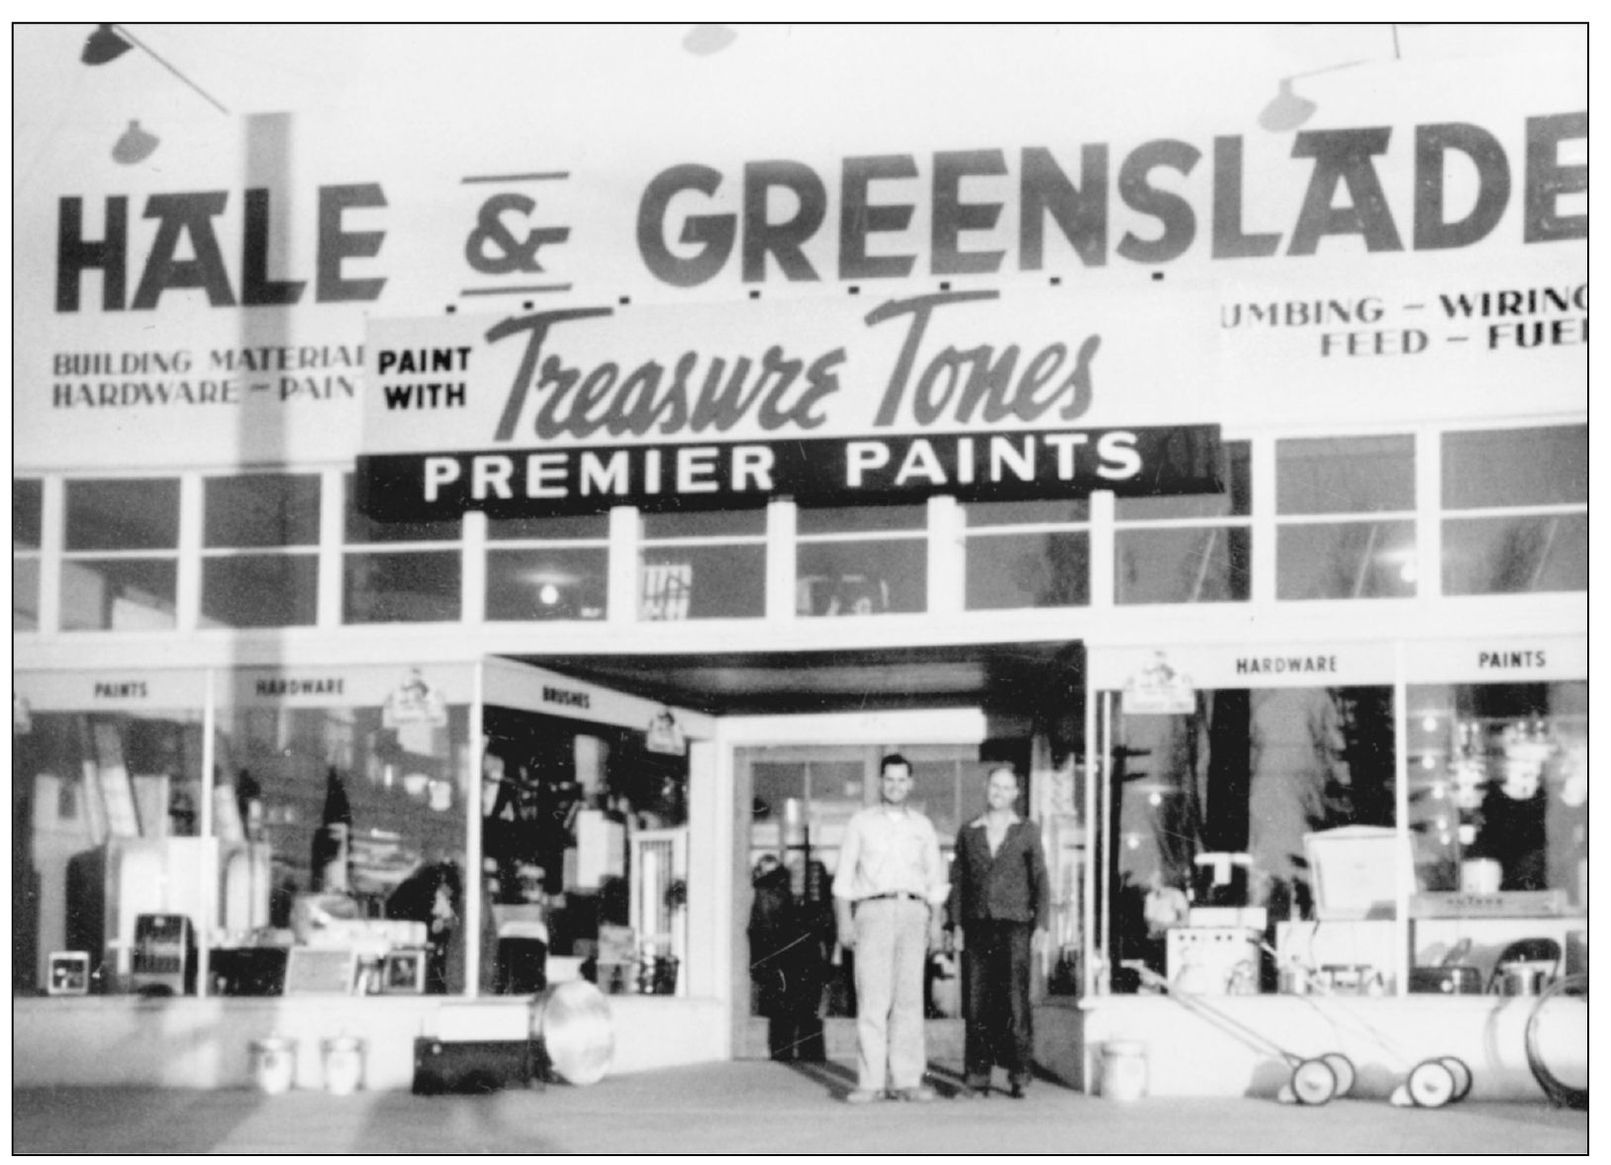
(69, 973)
(320, 971)
(1213, 960)
(1354, 870)
(163, 961)
(402, 972)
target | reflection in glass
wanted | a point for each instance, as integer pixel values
(26, 513)
(702, 582)
(1007, 571)
(1250, 771)
(65, 767)
(1516, 467)
(129, 514)
(1345, 475)
(861, 578)
(260, 590)
(1498, 778)
(1521, 555)
(420, 587)
(1192, 564)
(547, 583)
(118, 594)
(347, 803)
(262, 509)
(25, 594)
(1346, 560)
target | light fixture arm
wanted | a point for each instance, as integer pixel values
(138, 43)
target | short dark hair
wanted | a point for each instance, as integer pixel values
(891, 761)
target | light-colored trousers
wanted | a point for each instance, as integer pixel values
(891, 948)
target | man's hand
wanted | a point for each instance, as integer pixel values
(1037, 940)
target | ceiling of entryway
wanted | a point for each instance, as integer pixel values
(1030, 680)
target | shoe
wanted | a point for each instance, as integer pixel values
(922, 1094)
(863, 1096)
(1019, 1090)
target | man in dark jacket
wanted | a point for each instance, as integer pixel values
(1001, 896)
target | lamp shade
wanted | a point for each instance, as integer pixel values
(1287, 110)
(136, 145)
(103, 45)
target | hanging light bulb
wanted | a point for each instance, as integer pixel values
(136, 145)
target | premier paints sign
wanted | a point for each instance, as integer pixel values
(979, 394)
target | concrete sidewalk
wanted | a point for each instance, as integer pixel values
(750, 1107)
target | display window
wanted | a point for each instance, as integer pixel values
(341, 810)
(1027, 554)
(106, 813)
(120, 567)
(584, 856)
(1233, 805)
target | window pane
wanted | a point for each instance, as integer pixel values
(1027, 513)
(342, 803)
(1509, 556)
(1498, 777)
(262, 509)
(1345, 475)
(361, 529)
(26, 513)
(152, 763)
(1235, 501)
(260, 590)
(558, 583)
(25, 594)
(860, 519)
(1346, 560)
(134, 514)
(1516, 467)
(1190, 565)
(401, 588)
(1006, 571)
(119, 594)
(572, 527)
(934, 793)
(861, 578)
(705, 524)
(703, 582)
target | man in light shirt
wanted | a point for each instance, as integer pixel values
(889, 898)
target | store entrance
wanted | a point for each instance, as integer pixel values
(806, 733)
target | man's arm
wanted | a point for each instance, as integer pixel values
(844, 884)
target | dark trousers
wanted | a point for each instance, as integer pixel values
(995, 992)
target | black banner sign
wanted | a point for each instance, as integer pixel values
(1018, 465)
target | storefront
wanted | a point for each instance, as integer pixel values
(419, 622)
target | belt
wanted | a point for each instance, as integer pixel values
(895, 894)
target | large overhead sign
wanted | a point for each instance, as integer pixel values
(978, 394)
